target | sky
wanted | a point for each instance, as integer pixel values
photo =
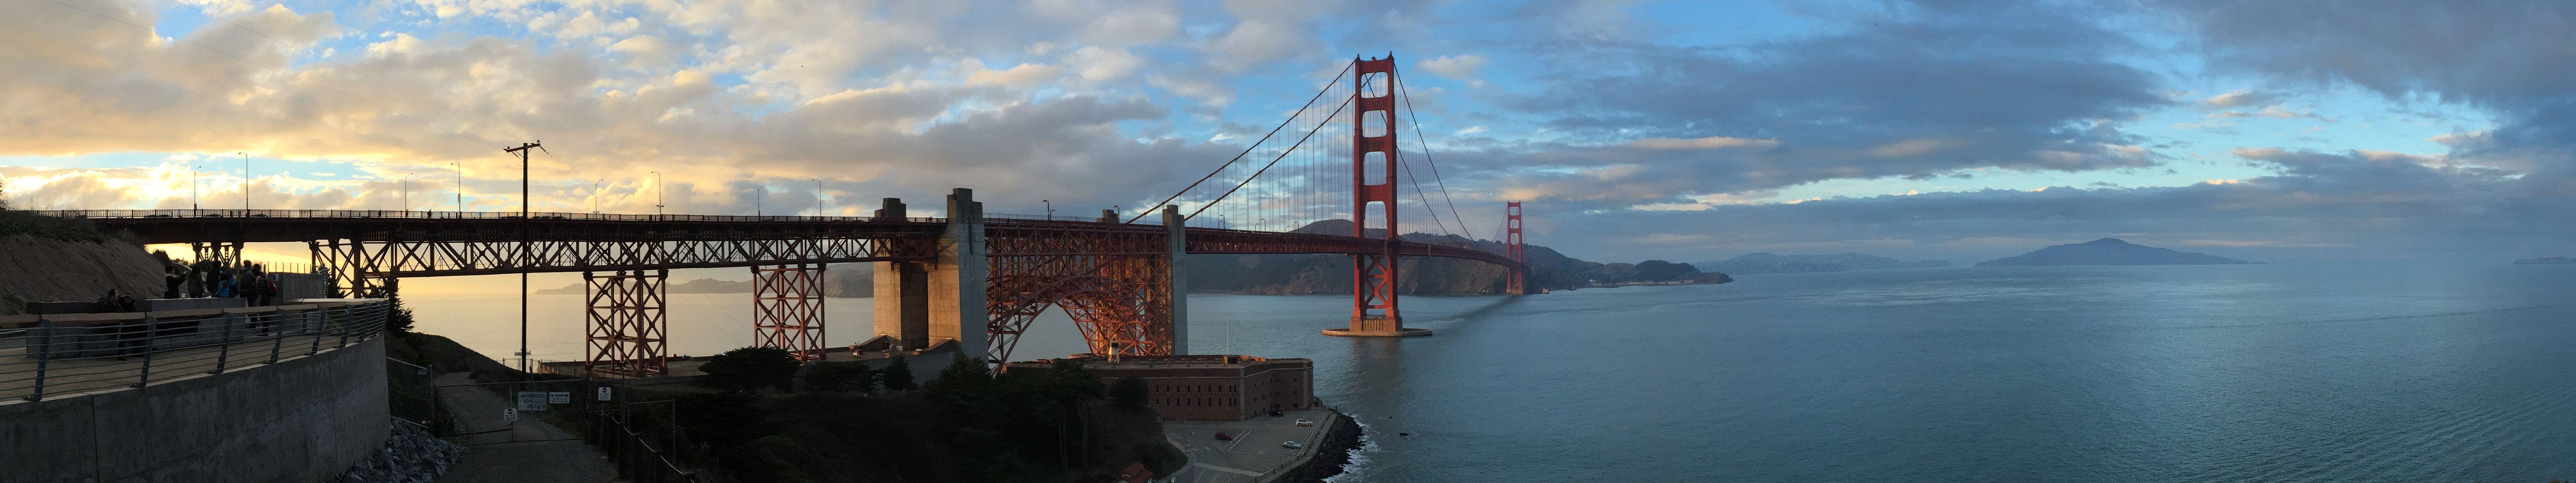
(2287, 131)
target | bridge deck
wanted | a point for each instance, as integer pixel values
(497, 228)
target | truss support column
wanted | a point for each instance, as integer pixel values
(787, 308)
(1176, 235)
(902, 294)
(345, 266)
(624, 322)
(956, 302)
(1516, 281)
(1373, 177)
(224, 254)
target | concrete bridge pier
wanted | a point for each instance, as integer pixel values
(919, 304)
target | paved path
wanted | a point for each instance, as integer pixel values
(531, 451)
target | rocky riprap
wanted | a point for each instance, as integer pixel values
(411, 455)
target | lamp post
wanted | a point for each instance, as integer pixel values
(193, 207)
(756, 196)
(594, 195)
(245, 183)
(460, 186)
(406, 190)
(1050, 207)
(657, 194)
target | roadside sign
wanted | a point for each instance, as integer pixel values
(509, 415)
(603, 393)
(532, 400)
(559, 397)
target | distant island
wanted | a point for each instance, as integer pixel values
(1758, 263)
(2544, 261)
(2107, 251)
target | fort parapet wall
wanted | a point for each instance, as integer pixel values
(301, 419)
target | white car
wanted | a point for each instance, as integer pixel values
(1292, 445)
(1305, 422)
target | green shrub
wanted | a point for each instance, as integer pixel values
(852, 376)
(1129, 391)
(897, 375)
(749, 369)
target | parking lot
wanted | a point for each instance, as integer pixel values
(1255, 451)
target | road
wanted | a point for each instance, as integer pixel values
(1254, 454)
(529, 451)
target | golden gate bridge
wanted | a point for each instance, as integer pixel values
(970, 278)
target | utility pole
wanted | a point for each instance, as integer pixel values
(524, 257)
(406, 189)
(657, 194)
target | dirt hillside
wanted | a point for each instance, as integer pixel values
(41, 269)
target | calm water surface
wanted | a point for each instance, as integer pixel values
(2358, 372)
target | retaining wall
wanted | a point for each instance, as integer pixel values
(299, 420)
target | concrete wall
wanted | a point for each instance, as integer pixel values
(300, 420)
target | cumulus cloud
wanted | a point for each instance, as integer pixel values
(1455, 67)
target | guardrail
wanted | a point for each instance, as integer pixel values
(54, 355)
(636, 458)
(441, 215)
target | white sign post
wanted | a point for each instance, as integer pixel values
(603, 393)
(509, 415)
(559, 397)
(532, 400)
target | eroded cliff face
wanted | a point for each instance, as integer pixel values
(44, 269)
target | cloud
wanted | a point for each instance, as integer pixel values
(1711, 142)
(1454, 67)
(2241, 98)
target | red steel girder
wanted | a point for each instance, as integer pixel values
(625, 322)
(787, 309)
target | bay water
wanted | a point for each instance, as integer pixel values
(2292, 372)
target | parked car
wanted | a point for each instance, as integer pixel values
(1221, 436)
(1292, 445)
(1305, 422)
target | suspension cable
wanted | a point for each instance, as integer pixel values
(1247, 150)
(1301, 141)
(1416, 117)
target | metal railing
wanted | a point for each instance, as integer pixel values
(636, 458)
(65, 354)
(439, 215)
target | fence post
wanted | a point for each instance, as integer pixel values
(224, 353)
(45, 346)
(276, 339)
(344, 326)
(319, 317)
(146, 377)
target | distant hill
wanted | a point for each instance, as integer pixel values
(2107, 251)
(1759, 263)
(1325, 274)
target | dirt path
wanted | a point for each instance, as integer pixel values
(530, 451)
